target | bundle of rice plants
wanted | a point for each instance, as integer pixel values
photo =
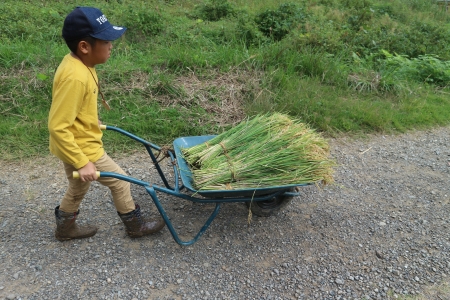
(265, 151)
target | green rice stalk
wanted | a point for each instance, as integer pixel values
(266, 151)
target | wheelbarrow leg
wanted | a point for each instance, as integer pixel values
(151, 191)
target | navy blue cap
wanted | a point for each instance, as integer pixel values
(90, 21)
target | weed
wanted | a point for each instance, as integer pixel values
(425, 68)
(163, 86)
(29, 194)
(213, 10)
(142, 22)
(248, 32)
(278, 23)
(365, 82)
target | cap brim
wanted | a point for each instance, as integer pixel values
(110, 34)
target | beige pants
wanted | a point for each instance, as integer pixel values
(77, 189)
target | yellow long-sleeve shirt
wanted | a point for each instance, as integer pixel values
(75, 136)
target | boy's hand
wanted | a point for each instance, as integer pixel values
(88, 172)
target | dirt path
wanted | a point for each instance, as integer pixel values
(380, 232)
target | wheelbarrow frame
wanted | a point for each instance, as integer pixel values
(217, 197)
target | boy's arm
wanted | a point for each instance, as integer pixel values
(66, 104)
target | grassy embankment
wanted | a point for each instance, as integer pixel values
(196, 67)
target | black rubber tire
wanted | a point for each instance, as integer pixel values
(269, 207)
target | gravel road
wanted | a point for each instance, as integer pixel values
(380, 232)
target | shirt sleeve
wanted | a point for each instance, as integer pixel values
(68, 97)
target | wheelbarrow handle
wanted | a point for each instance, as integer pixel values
(76, 174)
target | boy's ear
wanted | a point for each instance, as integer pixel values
(84, 47)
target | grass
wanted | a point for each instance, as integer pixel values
(347, 67)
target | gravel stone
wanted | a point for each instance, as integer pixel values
(380, 232)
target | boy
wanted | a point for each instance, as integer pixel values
(75, 136)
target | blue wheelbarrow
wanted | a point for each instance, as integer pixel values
(262, 201)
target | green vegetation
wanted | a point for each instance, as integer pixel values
(264, 151)
(198, 67)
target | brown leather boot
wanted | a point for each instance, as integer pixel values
(136, 226)
(67, 229)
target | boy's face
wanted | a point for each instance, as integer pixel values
(95, 54)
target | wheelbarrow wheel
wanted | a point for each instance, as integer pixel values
(269, 207)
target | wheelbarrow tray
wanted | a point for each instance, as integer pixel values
(187, 180)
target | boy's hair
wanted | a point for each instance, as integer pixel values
(73, 45)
